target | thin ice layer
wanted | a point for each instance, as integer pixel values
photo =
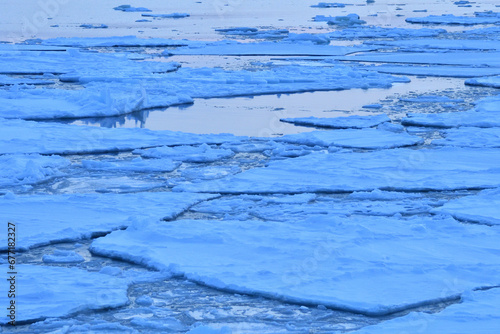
(45, 219)
(25, 169)
(485, 82)
(398, 169)
(354, 122)
(353, 138)
(47, 138)
(478, 312)
(346, 263)
(45, 292)
(483, 208)
(449, 19)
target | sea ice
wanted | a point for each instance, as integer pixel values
(323, 260)
(116, 41)
(349, 20)
(26, 169)
(168, 16)
(353, 122)
(483, 208)
(199, 154)
(479, 18)
(47, 292)
(477, 312)
(485, 82)
(45, 219)
(446, 168)
(62, 256)
(471, 137)
(51, 138)
(128, 8)
(136, 165)
(353, 138)
(447, 44)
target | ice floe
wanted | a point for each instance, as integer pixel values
(136, 165)
(116, 41)
(28, 169)
(447, 44)
(483, 208)
(49, 138)
(46, 219)
(199, 154)
(485, 82)
(47, 292)
(479, 18)
(62, 256)
(398, 169)
(471, 137)
(168, 16)
(322, 260)
(354, 122)
(353, 138)
(478, 312)
(128, 8)
(349, 20)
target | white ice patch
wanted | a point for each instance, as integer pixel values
(28, 169)
(198, 154)
(353, 138)
(440, 71)
(45, 219)
(326, 261)
(47, 138)
(483, 208)
(383, 32)
(350, 20)
(353, 122)
(447, 44)
(58, 292)
(398, 169)
(478, 312)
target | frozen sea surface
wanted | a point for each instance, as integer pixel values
(247, 167)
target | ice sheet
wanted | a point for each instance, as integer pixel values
(471, 137)
(325, 261)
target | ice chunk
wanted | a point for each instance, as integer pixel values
(47, 219)
(353, 138)
(343, 21)
(6, 81)
(447, 44)
(73, 291)
(384, 32)
(329, 5)
(18, 169)
(485, 82)
(128, 8)
(49, 138)
(354, 122)
(439, 71)
(121, 41)
(323, 260)
(431, 99)
(453, 119)
(483, 208)
(168, 16)
(477, 312)
(62, 256)
(398, 169)
(202, 153)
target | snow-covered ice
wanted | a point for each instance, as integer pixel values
(61, 292)
(483, 208)
(322, 260)
(398, 169)
(46, 219)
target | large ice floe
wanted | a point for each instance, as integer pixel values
(479, 18)
(483, 115)
(46, 219)
(398, 169)
(54, 138)
(60, 292)
(344, 263)
(478, 312)
(483, 208)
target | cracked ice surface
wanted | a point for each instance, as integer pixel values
(345, 263)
